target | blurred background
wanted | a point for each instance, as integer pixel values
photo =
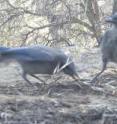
(75, 24)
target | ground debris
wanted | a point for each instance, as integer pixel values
(63, 101)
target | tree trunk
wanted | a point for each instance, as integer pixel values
(114, 6)
(92, 12)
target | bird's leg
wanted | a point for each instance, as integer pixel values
(24, 75)
(103, 69)
(38, 78)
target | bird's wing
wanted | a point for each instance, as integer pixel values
(30, 54)
(3, 48)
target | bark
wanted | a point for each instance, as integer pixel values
(92, 12)
(114, 6)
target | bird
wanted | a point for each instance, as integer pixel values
(40, 60)
(2, 48)
(108, 45)
(112, 19)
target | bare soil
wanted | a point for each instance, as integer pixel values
(62, 101)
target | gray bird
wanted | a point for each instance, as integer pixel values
(3, 48)
(109, 45)
(40, 60)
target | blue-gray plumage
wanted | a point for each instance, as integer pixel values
(3, 48)
(40, 60)
(109, 45)
(112, 19)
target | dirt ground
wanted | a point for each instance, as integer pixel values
(63, 101)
